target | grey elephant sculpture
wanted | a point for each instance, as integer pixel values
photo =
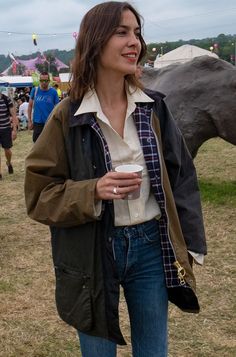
(201, 95)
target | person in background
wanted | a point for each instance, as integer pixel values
(27, 93)
(101, 240)
(23, 113)
(17, 103)
(58, 91)
(8, 128)
(42, 101)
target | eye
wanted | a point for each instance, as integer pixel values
(121, 32)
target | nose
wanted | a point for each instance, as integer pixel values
(133, 40)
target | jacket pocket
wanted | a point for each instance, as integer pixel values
(73, 298)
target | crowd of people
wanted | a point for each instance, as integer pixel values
(25, 108)
(21, 99)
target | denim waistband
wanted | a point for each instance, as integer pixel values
(139, 228)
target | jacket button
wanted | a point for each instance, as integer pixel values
(109, 239)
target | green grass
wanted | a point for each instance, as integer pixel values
(218, 193)
(6, 287)
(29, 323)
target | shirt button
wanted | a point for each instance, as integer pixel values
(149, 140)
(136, 215)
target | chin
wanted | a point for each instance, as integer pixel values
(131, 71)
(126, 70)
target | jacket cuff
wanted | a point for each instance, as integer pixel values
(198, 258)
(97, 208)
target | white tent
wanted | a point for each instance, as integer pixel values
(18, 81)
(181, 54)
(64, 77)
(3, 83)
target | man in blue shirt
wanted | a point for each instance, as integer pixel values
(42, 101)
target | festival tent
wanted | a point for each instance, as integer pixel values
(182, 54)
(4, 73)
(64, 79)
(17, 81)
(3, 83)
(30, 65)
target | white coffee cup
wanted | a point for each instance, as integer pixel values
(131, 168)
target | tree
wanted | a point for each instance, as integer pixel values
(20, 69)
(48, 65)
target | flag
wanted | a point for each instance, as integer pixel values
(12, 57)
(14, 67)
(35, 78)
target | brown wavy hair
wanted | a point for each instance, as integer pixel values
(96, 28)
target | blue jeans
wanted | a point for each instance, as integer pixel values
(138, 258)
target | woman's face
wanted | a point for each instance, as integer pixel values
(121, 53)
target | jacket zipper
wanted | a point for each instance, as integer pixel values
(104, 150)
(104, 153)
(181, 272)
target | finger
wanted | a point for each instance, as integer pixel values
(122, 175)
(117, 195)
(127, 183)
(109, 183)
(124, 190)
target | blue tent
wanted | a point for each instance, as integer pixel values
(17, 81)
(4, 83)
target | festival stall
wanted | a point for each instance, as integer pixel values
(17, 81)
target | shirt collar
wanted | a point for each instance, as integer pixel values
(91, 104)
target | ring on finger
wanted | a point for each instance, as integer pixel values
(115, 191)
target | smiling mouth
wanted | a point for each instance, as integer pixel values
(131, 55)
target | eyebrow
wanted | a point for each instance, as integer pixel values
(128, 27)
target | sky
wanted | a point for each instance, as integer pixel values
(55, 22)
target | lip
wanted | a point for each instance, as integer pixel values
(131, 59)
(130, 53)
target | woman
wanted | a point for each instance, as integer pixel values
(100, 239)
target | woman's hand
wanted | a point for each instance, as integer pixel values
(116, 185)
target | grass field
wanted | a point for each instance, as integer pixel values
(29, 325)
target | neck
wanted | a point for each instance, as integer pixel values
(44, 88)
(110, 91)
